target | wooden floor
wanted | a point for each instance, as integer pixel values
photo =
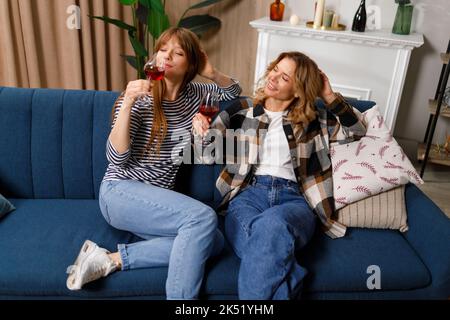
(437, 185)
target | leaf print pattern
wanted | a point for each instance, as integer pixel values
(390, 165)
(341, 200)
(359, 148)
(414, 175)
(380, 121)
(368, 166)
(382, 151)
(363, 189)
(349, 176)
(339, 164)
(392, 181)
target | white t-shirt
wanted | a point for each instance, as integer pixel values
(274, 155)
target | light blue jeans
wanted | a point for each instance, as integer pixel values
(266, 224)
(180, 232)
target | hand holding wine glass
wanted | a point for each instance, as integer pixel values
(209, 107)
(155, 68)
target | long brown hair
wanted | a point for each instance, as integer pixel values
(190, 44)
(308, 84)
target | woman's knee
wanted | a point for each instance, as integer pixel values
(204, 216)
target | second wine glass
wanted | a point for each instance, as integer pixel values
(209, 105)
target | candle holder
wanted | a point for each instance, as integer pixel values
(340, 27)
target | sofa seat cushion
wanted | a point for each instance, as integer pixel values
(341, 265)
(43, 237)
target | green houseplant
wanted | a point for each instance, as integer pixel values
(150, 20)
(403, 17)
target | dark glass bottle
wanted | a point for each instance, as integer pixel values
(360, 19)
(276, 11)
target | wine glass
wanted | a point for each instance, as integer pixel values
(155, 68)
(209, 105)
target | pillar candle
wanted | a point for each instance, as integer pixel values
(319, 13)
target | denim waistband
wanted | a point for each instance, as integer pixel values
(272, 181)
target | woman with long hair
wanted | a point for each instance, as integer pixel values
(136, 193)
(282, 179)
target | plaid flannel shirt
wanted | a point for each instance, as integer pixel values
(309, 150)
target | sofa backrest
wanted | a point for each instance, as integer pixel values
(53, 141)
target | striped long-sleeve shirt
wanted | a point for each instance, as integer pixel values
(160, 170)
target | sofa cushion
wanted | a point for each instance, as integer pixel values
(386, 210)
(43, 237)
(371, 165)
(5, 206)
(342, 264)
(59, 227)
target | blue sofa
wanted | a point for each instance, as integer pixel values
(52, 161)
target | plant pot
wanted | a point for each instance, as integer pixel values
(402, 23)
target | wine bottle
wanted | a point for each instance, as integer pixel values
(359, 21)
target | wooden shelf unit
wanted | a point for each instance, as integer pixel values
(445, 109)
(434, 156)
(427, 152)
(445, 57)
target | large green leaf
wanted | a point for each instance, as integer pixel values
(138, 47)
(115, 22)
(131, 60)
(142, 14)
(200, 24)
(154, 5)
(204, 4)
(127, 2)
(157, 23)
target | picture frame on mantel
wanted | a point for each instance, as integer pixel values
(370, 65)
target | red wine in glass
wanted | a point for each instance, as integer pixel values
(209, 110)
(153, 73)
(154, 69)
(209, 105)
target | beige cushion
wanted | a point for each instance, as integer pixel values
(386, 210)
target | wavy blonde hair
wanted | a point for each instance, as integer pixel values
(308, 85)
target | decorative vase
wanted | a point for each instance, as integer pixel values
(276, 11)
(360, 19)
(402, 22)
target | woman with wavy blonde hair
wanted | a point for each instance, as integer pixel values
(307, 83)
(275, 194)
(136, 194)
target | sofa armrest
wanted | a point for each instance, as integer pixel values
(429, 236)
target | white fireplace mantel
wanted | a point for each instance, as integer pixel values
(371, 65)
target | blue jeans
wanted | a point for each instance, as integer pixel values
(179, 232)
(265, 224)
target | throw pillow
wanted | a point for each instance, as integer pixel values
(386, 210)
(371, 165)
(5, 206)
